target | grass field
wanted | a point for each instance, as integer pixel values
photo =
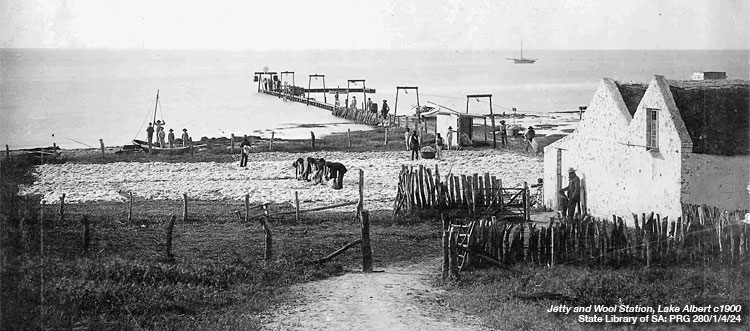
(218, 277)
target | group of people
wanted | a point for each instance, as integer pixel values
(369, 106)
(318, 169)
(163, 139)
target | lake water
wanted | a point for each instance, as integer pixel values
(84, 95)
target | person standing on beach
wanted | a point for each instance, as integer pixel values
(450, 137)
(385, 111)
(354, 102)
(245, 148)
(438, 145)
(150, 135)
(574, 193)
(162, 135)
(170, 138)
(414, 142)
(185, 138)
(503, 133)
(529, 135)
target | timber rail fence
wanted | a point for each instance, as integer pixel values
(702, 234)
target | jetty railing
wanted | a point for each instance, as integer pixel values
(703, 234)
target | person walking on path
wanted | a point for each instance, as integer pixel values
(245, 148)
(385, 111)
(438, 145)
(185, 138)
(450, 137)
(529, 135)
(150, 135)
(170, 138)
(574, 193)
(414, 143)
(503, 133)
(162, 135)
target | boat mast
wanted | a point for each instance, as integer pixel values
(156, 105)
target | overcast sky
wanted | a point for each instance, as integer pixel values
(376, 24)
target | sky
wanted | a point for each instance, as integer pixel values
(376, 24)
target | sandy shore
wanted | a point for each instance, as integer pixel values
(269, 177)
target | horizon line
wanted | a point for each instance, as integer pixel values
(368, 49)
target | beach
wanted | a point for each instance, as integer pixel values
(269, 177)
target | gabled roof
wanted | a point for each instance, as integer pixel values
(632, 93)
(716, 114)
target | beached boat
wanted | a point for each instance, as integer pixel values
(521, 59)
(161, 150)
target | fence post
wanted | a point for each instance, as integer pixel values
(231, 142)
(192, 151)
(312, 140)
(268, 253)
(86, 233)
(170, 227)
(361, 203)
(62, 208)
(349, 138)
(7, 150)
(446, 259)
(247, 208)
(270, 143)
(526, 204)
(364, 216)
(130, 207)
(296, 206)
(101, 144)
(184, 207)
(385, 141)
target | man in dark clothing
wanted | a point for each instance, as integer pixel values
(298, 168)
(150, 135)
(414, 144)
(336, 173)
(503, 133)
(320, 169)
(574, 193)
(529, 135)
(385, 110)
(245, 149)
(307, 169)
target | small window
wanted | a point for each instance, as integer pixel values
(652, 129)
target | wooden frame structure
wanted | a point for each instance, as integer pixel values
(492, 115)
(405, 88)
(309, 82)
(260, 75)
(281, 77)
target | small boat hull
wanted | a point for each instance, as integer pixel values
(159, 150)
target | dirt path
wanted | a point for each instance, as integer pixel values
(400, 298)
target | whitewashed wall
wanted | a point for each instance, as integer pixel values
(715, 180)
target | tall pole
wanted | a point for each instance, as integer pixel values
(309, 81)
(395, 105)
(419, 117)
(324, 90)
(494, 141)
(156, 105)
(364, 94)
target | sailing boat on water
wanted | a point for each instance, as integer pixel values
(521, 59)
(155, 148)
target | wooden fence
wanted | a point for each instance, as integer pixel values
(702, 234)
(419, 188)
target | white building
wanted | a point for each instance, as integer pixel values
(643, 148)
